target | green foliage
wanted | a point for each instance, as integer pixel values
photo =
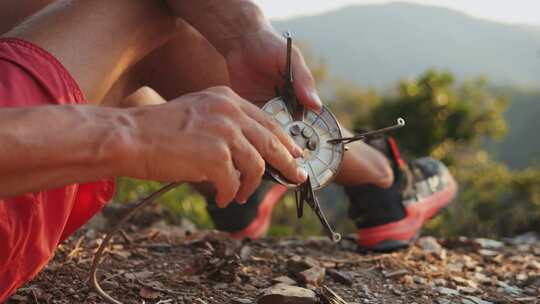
(518, 149)
(334, 204)
(493, 201)
(179, 203)
(352, 104)
(285, 223)
(441, 117)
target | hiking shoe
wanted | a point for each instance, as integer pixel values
(390, 219)
(252, 219)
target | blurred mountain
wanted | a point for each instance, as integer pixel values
(520, 148)
(376, 45)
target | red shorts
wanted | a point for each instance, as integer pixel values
(33, 224)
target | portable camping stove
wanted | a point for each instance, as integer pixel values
(320, 137)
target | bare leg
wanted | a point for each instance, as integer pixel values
(187, 63)
(12, 12)
(362, 164)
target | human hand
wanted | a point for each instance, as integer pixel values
(255, 54)
(211, 136)
(256, 64)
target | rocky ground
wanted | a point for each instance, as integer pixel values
(167, 266)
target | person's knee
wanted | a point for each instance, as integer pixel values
(385, 176)
(144, 96)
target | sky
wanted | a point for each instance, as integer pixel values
(510, 11)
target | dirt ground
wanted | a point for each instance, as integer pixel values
(167, 266)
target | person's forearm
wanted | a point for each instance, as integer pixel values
(222, 22)
(52, 146)
(98, 40)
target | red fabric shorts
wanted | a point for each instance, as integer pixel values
(33, 224)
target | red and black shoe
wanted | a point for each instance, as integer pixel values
(387, 219)
(390, 219)
(252, 219)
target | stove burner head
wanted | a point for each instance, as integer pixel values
(320, 159)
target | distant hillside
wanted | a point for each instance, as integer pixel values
(379, 44)
(521, 147)
(376, 45)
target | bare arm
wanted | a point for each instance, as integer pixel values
(52, 146)
(98, 40)
(211, 136)
(222, 22)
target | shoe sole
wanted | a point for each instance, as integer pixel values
(403, 233)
